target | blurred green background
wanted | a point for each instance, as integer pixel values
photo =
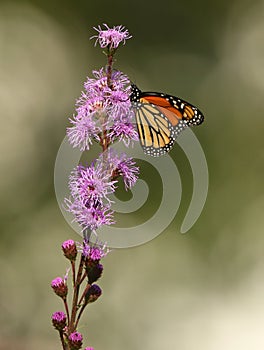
(202, 290)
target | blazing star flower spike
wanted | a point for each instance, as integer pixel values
(104, 115)
(111, 37)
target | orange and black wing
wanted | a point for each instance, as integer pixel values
(156, 132)
(160, 118)
(181, 110)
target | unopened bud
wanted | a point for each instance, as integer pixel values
(93, 293)
(59, 320)
(75, 341)
(59, 287)
(69, 249)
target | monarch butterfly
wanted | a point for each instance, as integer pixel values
(160, 118)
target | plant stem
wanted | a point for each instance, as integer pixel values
(75, 296)
(79, 315)
(83, 277)
(73, 272)
(109, 67)
(62, 340)
(67, 309)
(84, 292)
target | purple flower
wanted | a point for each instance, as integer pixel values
(89, 202)
(111, 37)
(96, 86)
(98, 96)
(94, 252)
(89, 348)
(102, 107)
(75, 340)
(89, 217)
(91, 185)
(59, 320)
(122, 165)
(83, 132)
(122, 131)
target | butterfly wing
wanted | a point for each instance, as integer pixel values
(156, 132)
(181, 109)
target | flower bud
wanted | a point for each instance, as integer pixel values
(94, 273)
(59, 320)
(93, 293)
(60, 287)
(75, 341)
(69, 249)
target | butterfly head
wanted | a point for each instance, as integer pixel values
(135, 93)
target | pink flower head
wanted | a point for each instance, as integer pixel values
(111, 37)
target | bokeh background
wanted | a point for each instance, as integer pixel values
(202, 290)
